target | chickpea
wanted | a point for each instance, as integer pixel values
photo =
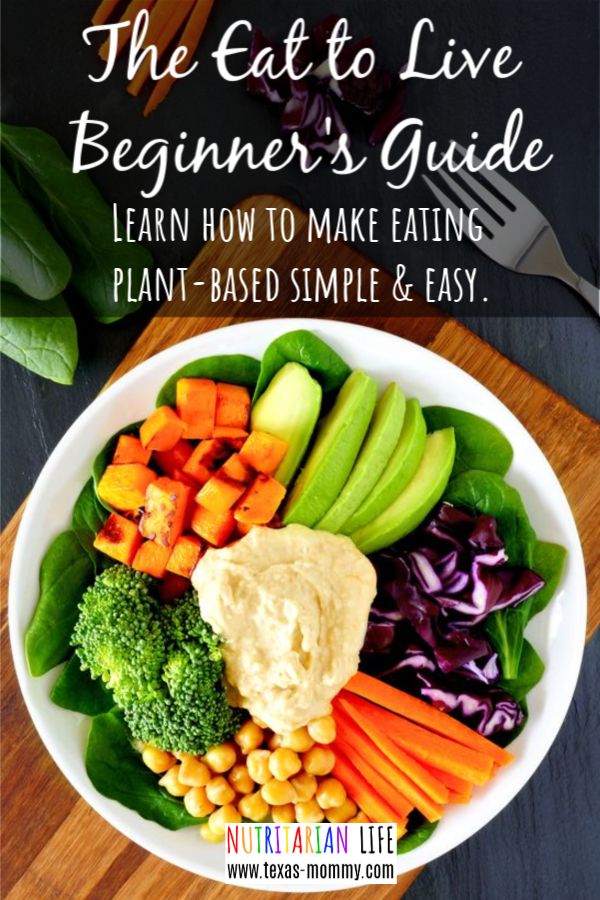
(193, 772)
(249, 737)
(342, 813)
(283, 763)
(322, 730)
(318, 761)
(274, 741)
(305, 786)
(209, 835)
(219, 791)
(278, 793)
(170, 782)
(226, 815)
(221, 758)
(283, 814)
(359, 819)
(257, 763)
(298, 740)
(197, 803)
(253, 807)
(240, 781)
(309, 811)
(157, 760)
(331, 793)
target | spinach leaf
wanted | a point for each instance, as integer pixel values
(488, 493)
(80, 218)
(506, 629)
(416, 836)
(65, 573)
(105, 456)
(117, 771)
(479, 444)
(40, 336)
(78, 691)
(549, 562)
(88, 518)
(305, 348)
(31, 258)
(234, 369)
(529, 672)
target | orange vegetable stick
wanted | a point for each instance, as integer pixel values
(233, 406)
(263, 451)
(418, 711)
(165, 21)
(124, 486)
(429, 748)
(129, 450)
(434, 787)
(371, 803)
(380, 783)
(119, 538)
(456, 784)
(104, 12)
(162, 430)
(192, 34)
(165, 511)
(184, 556)
(123, 34)
(260, 502)
(205, 460)
(152, 559)
(455, 797)
(219, 493)
(356, 744)
(175, 458)
(215, 528)
(196, 401)
(236, 468)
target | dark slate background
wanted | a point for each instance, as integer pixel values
(545, 845)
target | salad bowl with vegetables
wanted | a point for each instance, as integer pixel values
(289, 571)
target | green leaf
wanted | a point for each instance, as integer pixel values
(88, 518)
(305, 348)
(233, 369)
(479, 444)
(414, 837)
(80, 219)
(530, 670)
(30, 257)
(40, 336)
(65, 573)
(488, 493)
(506, 630)
(78, 691)
(105, 456)
(549, 562)
(117, 771)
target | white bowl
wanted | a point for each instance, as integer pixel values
(558, 633)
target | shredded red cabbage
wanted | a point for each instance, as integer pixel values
(316, 106)
(425, 632)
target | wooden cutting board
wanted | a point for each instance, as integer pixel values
(55, 846)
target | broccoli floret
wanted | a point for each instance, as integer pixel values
(162, 661)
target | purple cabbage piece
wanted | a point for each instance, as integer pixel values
(425, 632)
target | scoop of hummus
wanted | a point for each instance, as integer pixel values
(291, 606)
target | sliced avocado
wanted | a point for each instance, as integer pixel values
(382, 437)
(336, 447)
(399, 471)
(289, 409)
(417, 500)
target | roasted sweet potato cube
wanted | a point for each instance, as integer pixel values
(129, 450)
(236, 469)
(233, 406)
(173, 586)
(162, 429)
(151, 558)
(215, 528)
(169, 461)
(228, 433)
(124, 486)
(196, 401)
(260, 502)
(165, 511)
(185, 555)
(205, 460)
(220, 493)
(118, 538)
(263, 451)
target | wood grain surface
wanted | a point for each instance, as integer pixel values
(54, 845)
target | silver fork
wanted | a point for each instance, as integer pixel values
(523, 240)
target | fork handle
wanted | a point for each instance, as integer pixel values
(588, 291)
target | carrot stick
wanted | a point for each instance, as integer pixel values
(104, 12)
(453, 782)
(124, 34)
(362, 793)
(434, 787)
(355, 745)
(428, 748)
(165, 21)
(192, 34)
(395, 800)
(455, 797)
(418, 711)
